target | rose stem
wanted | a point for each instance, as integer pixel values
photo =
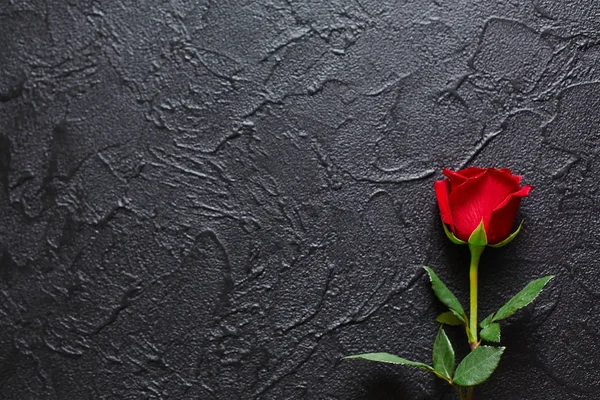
(460, 392)
(473, 269)
(470, 393)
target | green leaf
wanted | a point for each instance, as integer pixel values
(443, 355)
(448, 318)
(445, 295)
(487, 321)
(522, 299)
(451, 236)
(390, 359)
(508, 239)
(478, 365)
(478, 237)
(491, 333)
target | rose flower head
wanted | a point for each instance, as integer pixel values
(475, 195)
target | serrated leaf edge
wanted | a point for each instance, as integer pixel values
(550, 277)
(492, 355)
(442, 336)
(489, 338)
(406, 362)
(463, 316)
(453, 314)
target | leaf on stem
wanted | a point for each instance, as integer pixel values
(487, 321)
(443, 355)
(478, 366)
(522, 299)
(448, 318)
(491, 333)
(390, 359)
(445, 295)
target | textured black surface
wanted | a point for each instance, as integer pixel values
(219, 199)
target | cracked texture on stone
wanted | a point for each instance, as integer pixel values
(218, 200)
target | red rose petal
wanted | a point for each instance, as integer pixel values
(471, 172)
(522, 192)
(456, 178)
(503, 216)
(477, 198)
(508, 172)
(441, 192)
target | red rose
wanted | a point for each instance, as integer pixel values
(473, 194)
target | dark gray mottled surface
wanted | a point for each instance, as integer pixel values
(219, 199)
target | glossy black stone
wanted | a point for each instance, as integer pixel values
(219, 199)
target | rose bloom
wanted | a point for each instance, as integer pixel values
(473, 194)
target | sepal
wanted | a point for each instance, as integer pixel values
(478, 238)
(508, 239)
(451, 236)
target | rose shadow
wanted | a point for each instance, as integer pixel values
(387, 387)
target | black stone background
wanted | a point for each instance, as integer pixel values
(219, 199)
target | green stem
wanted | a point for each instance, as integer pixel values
(460, 392)
(473, 269)
(473, 272)
(470, 393)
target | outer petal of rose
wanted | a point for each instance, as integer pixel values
(508, 172)
(455, 178)
(459, 177)
(503, 216)
(477, 198)
(442, 188)
(471, 172)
